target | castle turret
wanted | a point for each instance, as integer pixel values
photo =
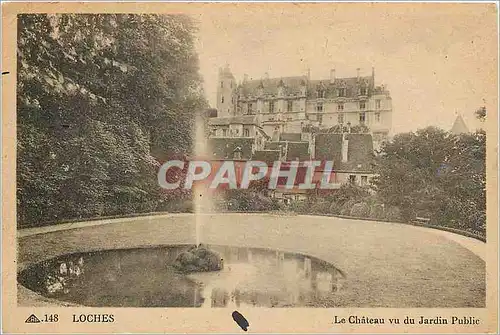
(226, 93)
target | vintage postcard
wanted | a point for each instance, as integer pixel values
(249, 167)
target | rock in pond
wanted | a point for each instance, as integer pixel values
(198, 259)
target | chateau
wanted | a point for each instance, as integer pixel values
(290, 118)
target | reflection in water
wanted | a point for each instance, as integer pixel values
(145, 278)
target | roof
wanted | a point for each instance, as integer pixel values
(350, 84)
(211, 112)
(224, 148)
(266, 155)
(294, 150)
(274, 145)
(459, 126)
(291, 85)
(243, 119)
(296, 137)
(359, 151)
(298, 150)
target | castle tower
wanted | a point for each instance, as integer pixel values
(226, 93)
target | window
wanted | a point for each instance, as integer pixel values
(364, 180)
(341, 92)
(224, 132)
(320, 118)
(271, 106)
(352, 179)
(250, 109)
(321, 94)
(246, 132)
(362, 117)
(340, 107)
(222, 99)
(362, 105)
(289, 106)
(377, 117)
(319, 107)
(377, 104)
(221, 84)
(362, 91)
(340, 118)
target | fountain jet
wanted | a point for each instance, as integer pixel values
(202, 200)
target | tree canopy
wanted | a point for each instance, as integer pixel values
(435, 174)
(102, 99)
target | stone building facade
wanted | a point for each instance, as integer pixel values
(299, 118)
(288, 104)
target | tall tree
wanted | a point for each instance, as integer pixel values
(433, 173)
(98, 96)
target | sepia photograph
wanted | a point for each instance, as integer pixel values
(242, 158)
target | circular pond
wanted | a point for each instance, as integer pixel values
(148, 277)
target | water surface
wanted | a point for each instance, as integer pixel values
(146, 278)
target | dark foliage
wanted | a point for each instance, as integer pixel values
(100, 99)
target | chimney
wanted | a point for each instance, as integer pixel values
(373, 73)
(357, 72)
(266, 75)
(308, 74)
(345, 147)
(245, 77)
(332, 76)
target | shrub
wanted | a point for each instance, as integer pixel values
(348, 192)
(321, 207)
(247, 200)
(392, 213)
(376, 211)
(335, 208)
(360, 209)
(299, 206)
(347, 206)
(180, 206)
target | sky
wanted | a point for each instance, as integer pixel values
(437, 60)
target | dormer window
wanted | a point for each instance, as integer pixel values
(319, 108)
(290, 105)
(237, 153)
(362, 91)
(362, 118)
(341, 92)
(321, 94)
(271, 106)
(362, 105)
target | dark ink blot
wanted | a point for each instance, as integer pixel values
(6, 72)
(240, 320)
